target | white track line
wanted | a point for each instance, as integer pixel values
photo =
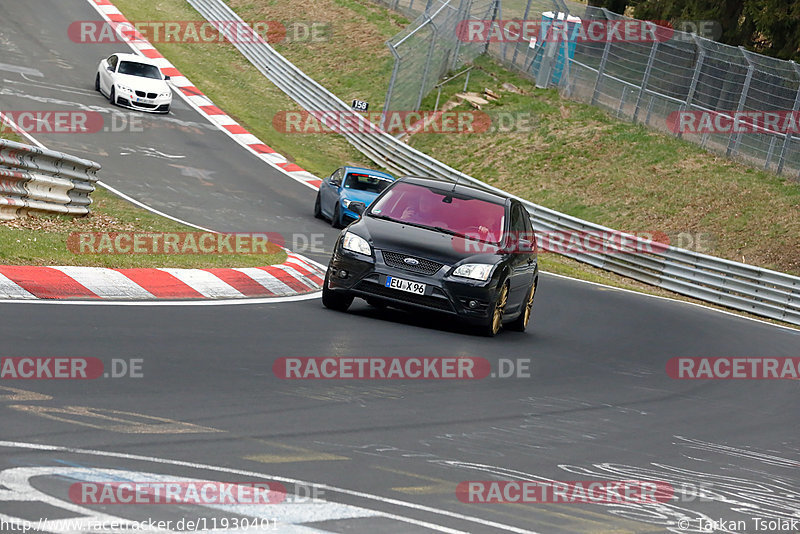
(193, 465)
(316, 295)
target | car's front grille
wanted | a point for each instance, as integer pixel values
(437, 301)
(422, 266)
(143, 105)
(152, 95)
(140, 94)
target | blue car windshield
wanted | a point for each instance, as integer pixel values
(143, 70)
(366, 182)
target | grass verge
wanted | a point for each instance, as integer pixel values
(568, 156)
(576, 158)
(42, 239)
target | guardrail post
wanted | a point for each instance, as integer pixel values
(645, 79)
(788, 137)
(524, 19)
(601, 68)
(495, 11)
(733, 143)
(701, 57)
(392, 81)
(463, 15)
(545, 72)
(427, 63)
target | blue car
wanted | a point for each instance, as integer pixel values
(344, 195)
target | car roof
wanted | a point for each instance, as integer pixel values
(135, 58)
(460, 188)
(368, 171)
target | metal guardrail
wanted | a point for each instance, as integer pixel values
(41, 180)
(735, 285)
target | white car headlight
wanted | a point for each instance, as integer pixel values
(164, 95)
(355, 243)
(475, 271)
(124, 88)
(346, 202)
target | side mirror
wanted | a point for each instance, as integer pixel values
(525, 246)
(518, 245)
(336, 183)
(166, 78)
(110, 68)
(358, 208)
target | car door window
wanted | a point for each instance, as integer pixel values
(529, 234)
(520, 225)
(112, 62)
(517, 221)
(336, 177)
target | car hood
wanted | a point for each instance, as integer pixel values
(421, 242)
(138, 83)
(359, 196)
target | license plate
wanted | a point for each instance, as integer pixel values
(405, 285)
(144, 100)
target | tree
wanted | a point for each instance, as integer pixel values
(777, 27)
(615, 6)
(770, 27)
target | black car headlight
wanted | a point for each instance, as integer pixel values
(474, 271)
(355, 243)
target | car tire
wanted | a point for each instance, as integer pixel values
(335, 300)
(521, 323)
(336, 220)
(112, 96)
(97, 82)
(317, 208)
(496, 311)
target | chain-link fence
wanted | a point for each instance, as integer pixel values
(430, 47)
(723, 98)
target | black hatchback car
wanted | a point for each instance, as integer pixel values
(440, 246)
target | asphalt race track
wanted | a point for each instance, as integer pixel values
(200, 401)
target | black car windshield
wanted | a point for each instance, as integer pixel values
(439, 209)
(139, 69)
(366, 182)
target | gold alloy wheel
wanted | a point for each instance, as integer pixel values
(499, 309)
(529, 306)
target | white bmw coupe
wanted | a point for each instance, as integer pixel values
(134, 82)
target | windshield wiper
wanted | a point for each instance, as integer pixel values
(446, 231)
(383, 217)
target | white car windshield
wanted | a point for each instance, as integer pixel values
(139, 69)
